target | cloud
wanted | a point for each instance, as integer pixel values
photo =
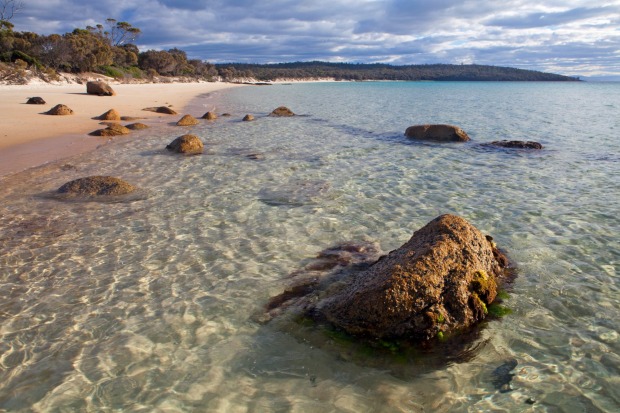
(573, 36)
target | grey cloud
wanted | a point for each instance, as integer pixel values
(552, 19)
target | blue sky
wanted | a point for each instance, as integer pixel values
(572, 37)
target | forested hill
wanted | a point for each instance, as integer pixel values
(378, 71)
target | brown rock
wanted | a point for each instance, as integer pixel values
(517, 144)
(186, 144)
(441, 133)
(162, 109)
(226, 115)
(248, 118)
(438, 283)
(96, 186)
(188, 120)
(111, 114)
(136, 126)
(60, 110)
(99, 88)
(209, 116)
(35, 101)
(129, 118)
(282, 111)
(112, 130)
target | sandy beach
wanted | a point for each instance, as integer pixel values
(28, 137)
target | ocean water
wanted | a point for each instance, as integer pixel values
(149, 305)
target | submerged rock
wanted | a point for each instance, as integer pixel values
(187, 145)
(99, 88)
(97, 186)
(188, 120)
(440, 133)
(60, 110)
(35, 101)
(314, 276)
(438, 283)
(282, 111)
(516, 144)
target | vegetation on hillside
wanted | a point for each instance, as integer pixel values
(109, 49)
(381, 71)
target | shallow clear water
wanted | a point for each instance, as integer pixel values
(149, 305)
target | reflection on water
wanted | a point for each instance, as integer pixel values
(145, 305)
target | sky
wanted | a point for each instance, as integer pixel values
(571, 37)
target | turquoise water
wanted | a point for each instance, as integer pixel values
(149, 305)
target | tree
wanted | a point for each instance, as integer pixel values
(8, 9)
(121, 33)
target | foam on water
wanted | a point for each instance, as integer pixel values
(147, 305)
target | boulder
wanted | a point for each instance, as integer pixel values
(136, 126)
(516, 144)
(186, 144)
(99, 88)
(111, 114)
(226, 115)
(129, 118)
(97, 186)
(35, 101)
(60, 110)
(188, 120)
(112, 130)
(439, 282)
(282, 111)
(248, 118)
(440, 133)
(209, 116)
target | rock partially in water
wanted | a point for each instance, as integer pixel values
(97, 186)
(113, 129)
(438, 132)
(187, 145)
(36, 100)
(248, 118)
(209, 116)
(516, 144)
(282, 111)
(60, 110)
(438, 283)
(188, 120)
(136, 126)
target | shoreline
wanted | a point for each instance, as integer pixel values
(29, 138)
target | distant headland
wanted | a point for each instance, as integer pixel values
(382, 71)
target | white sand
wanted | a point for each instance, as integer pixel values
(29, 138)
